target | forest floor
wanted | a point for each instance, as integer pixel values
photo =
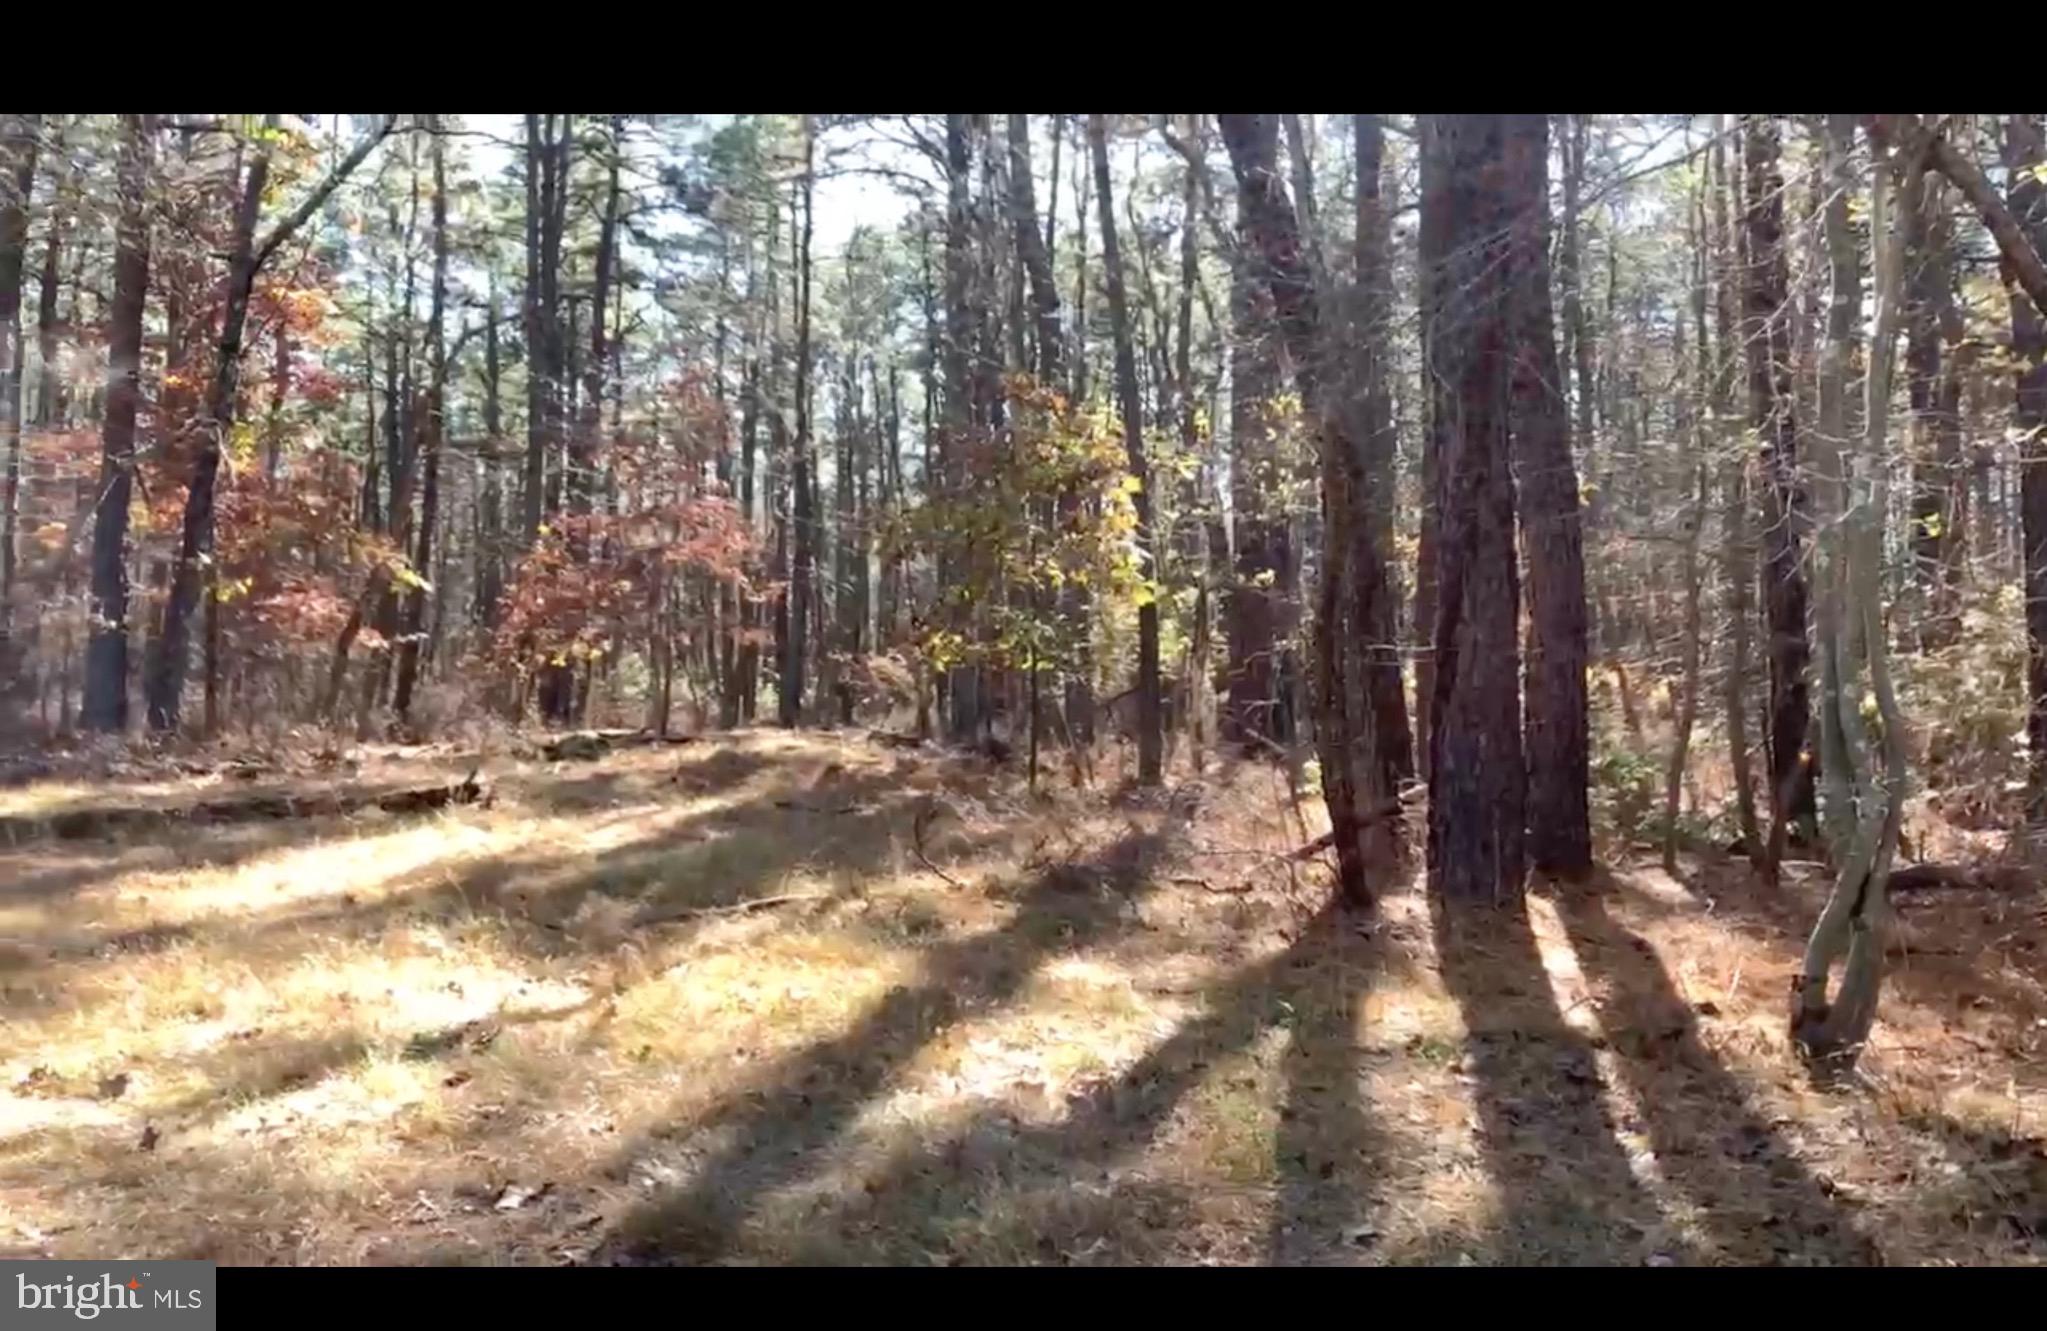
(779, 997)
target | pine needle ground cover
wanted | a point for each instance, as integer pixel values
(805, 998)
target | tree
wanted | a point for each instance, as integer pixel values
(1850, 932)
(1477, 781)
(166, 687)
(1150, 738)
(1558, 746)
(804, 516)
(18, 147)
(106, 665)
(1786, 521)
(1361, 716)
(2025, 160)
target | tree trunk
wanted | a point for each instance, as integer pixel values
(49, 408)
(1477, 782)
(1031, 247)
(105, 705)
(18, 144)
(1786, 521)
(1737, 561)
(1150, 737)
(196, 538)
(805, 515)
(1558, 747)
(434, 428)
(1432, 250)
(1361, 715)
(1833, 1029)
(2025, 156)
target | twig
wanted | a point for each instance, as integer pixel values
(736, 908)
(1227, 889)
(917, 844)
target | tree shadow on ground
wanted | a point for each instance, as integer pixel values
(776, 1135)
(186, 848)
(1567, 1193)
(1750, 1194)
(1974, 957)
(1329, 1158)
(1997, 1188)
(996, 1188)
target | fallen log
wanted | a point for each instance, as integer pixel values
(1915, 878)
(82, 824)
(590, 745)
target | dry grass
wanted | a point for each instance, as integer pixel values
(550, 1031)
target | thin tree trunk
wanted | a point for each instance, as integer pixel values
(105, 706)
(1150, 738)
(196, 538)
(1737, 558)
(434, 429)
(805, 516)
(19, 139)
(1786, 521)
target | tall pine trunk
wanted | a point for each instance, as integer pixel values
(1477, 782)
(804, 516)
(2025, 155)
(1786, 520)
(1558, 747)
(105, 705)
(18, 144)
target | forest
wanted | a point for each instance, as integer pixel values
(1080, 689)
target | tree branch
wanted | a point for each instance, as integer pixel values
(283, 230)
(2012, 243)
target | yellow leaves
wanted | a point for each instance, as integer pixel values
(408, 577)
(232, 589)
(1132, 485)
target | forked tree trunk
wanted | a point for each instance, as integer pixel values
(1832, 1028)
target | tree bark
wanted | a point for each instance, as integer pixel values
(1477, 781)
(1150, 737)
(434, 428)
(19, 139)
(1786, 519)
(1558, 746)
(105, 706)
(1361, 729)
(805, 515)
(2025, 156)
(196, 538)
(1031, 247)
